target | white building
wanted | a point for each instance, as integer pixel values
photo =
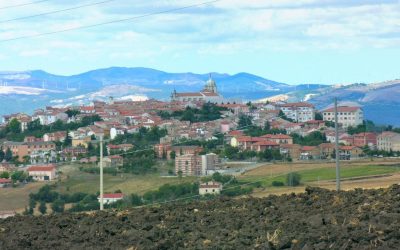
(114, 132)
(210, 187)
(209, 162)
(42, 173)
(388, 141)
(47, 117)
(299, 111)
(111, 198)
(347, 116)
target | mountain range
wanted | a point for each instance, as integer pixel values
(29, 90)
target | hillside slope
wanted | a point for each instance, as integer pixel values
(317, 219)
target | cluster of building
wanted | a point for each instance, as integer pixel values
(124, 117)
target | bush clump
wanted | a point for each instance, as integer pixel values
(293, 179)
(278, 184)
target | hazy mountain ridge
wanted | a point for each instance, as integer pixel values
(50, 88)
(27, 90)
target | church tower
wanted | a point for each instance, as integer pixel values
(211, 86)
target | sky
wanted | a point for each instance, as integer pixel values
(294, 42)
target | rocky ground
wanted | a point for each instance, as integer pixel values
(317, 219)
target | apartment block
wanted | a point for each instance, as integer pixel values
(299, 111)
(347, 116)
(388, 141)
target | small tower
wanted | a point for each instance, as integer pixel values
(210, 85)
(174, 95)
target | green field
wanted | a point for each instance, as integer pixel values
(321, 174)
(73, 180)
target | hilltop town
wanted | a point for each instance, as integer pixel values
(196, 134)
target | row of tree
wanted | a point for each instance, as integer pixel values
(208, 112)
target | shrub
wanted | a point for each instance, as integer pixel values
(278, 184)
(293, 179)
(42, 207)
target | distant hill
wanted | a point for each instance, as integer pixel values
(33, 89)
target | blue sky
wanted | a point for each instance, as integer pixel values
(303, 41)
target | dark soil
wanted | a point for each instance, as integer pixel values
(317, 219)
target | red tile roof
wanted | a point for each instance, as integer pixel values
(277, 136)
(4, 181)
(113, 196)
(308, 148)
(266, 143)
(235, 132)
(347, 147)
(343, 109)
(41, 168)
(326, 145)
(250, 139)
(298, 104)
(211, 185)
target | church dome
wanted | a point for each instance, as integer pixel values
(211, 86)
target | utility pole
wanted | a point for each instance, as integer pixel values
(337, 147)
(101, 174)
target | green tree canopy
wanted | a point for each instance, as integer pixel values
(14, 126)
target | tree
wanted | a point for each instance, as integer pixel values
(72, 113)
(14, 126)
(8, 155)
(58, 206)
(34, 125)
(136, 200)
(284, 117)
(68, 140)
(5, 175)
(42, 207)
(26, 159)
(245, 121)
(267, 126)
(318, 116)
(19, 176)
(57, 125)
(172, 155)
(32, 205)
(293, 179)
(180, 173)
(2, 154)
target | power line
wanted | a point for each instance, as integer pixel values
(22, 4)
(57, 11)
(109, 22)
(198, 195)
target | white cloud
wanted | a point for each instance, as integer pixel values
(33, 53)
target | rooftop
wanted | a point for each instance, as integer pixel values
(343, 109)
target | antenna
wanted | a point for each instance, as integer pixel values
(101, 174)
(337, 147)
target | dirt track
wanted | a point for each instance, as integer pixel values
(318, 219)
